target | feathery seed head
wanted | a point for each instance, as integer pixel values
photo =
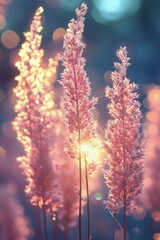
(124, 141)
(76, 105)
(37, 117)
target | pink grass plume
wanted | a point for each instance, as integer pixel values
(36, 119)
(76, 103)
(124, 142)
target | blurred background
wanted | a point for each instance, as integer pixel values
(109, 24)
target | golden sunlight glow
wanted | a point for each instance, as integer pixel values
(88, 151)
(91, 152)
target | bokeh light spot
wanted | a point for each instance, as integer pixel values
(13, 56)
(139, 214)
(5, 2)
(98, 196)
(156, 236)
(152, 129)
(156, 216)
(10, 39)
(2, 153)
(108, 10)
(2, 22)
(54, 217)
(152, 116)
(58, 34)
(91, 153)
(154, 96)
(136, 230)
(7, 129)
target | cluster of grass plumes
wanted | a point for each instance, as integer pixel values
(60, 145)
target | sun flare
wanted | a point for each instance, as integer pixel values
(90, 152)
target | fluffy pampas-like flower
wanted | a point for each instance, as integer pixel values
(124, 141)
(76, 89)
(36, 119)
(76, 105)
